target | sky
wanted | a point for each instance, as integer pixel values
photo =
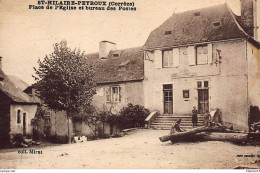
(27, 35)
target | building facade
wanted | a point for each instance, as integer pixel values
(204, 58)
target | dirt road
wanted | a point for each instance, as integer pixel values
(140, 149)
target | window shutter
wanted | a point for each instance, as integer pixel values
(176, 57)
(191, 55)
(158, 58)
(210, 54)
(119, 94)
(108, 94)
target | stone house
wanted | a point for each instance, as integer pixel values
(208, 58)
(17, 109)
(119, 78)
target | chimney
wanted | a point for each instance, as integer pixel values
(247, 16)
(1, 63)
(105, 47)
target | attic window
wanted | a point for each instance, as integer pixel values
(168, 32)
(197, 14)
(115, 55)
(216, 24)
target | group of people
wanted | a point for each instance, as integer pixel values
(207, 118)
(207, 121)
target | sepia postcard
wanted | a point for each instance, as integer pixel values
(129, 84)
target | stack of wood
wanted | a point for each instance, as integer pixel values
(255, 127)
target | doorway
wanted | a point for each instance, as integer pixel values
(203, 101)
(24, 124)
(167, 99)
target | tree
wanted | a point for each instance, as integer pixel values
(65, 82)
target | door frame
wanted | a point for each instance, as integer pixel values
(208, 88)
(24, 124)
(162, 95)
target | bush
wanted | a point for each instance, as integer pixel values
(132, 116)
(17, 139)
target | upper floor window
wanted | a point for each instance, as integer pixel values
(18, 116)
(201, 54)
(113, 94)
(202, 84)
(167, 58)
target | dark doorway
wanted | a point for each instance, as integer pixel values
(203, 101)
(167, 99)
(24, 124)
(77, 126)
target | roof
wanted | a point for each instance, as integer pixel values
(120, 66)
(14, 91)
(18, 83)
(200, 25)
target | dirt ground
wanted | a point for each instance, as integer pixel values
(139, 149)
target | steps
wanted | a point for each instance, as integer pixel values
(165, 121)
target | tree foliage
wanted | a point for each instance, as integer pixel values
(64, 79)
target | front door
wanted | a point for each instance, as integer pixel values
(203, 101)
(167, 99)
(24, 124)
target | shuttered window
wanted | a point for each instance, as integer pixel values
(201, 54)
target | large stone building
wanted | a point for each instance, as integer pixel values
(208, 58)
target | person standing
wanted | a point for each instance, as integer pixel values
(207, 119)
(194, 116)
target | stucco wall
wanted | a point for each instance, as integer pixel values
(253, 55)
(227, 82)
(30, 111)
(131, 92)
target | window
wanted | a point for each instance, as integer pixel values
(167, 32)
(18, 116)
(216, 24)
(199, 84)
(167, 58)
(186, 93)
(115, 55)
(202, 84)
(201, 54)
(206, 84)
(113, 94)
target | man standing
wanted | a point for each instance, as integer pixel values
(194, 116)
(207, 119)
